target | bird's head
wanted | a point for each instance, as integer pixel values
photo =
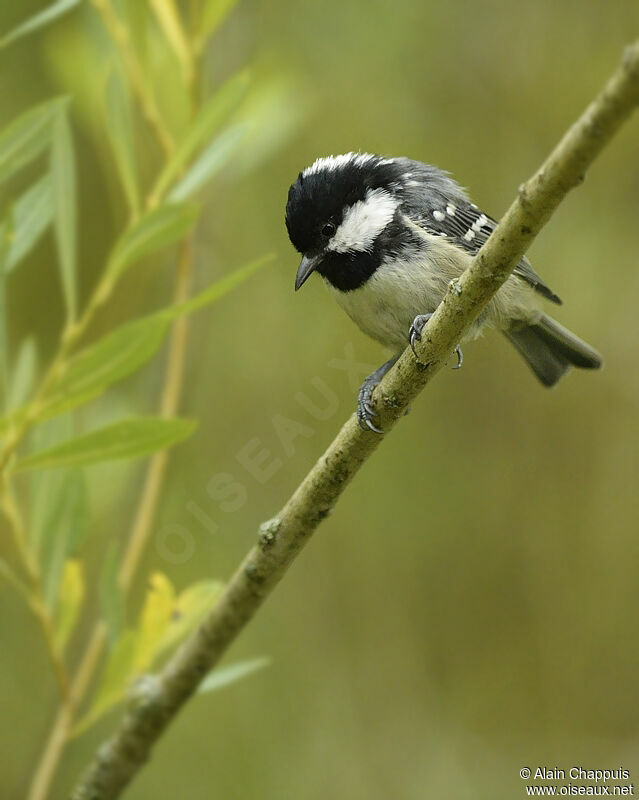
(342, 214)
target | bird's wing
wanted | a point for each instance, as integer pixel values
(468, 227)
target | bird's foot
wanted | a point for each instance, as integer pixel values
(365, 411)
(415, 330)
(415, 335)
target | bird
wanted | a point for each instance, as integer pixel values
(387, 235)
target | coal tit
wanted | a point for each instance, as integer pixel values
(387, 235)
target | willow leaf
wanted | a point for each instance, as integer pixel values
(154, 620)
(109, 360)
(127, 439)
(65, 210)
(161, 227)
(214, 113)
(32, 215)
(39, 20)
(28, 136)
(64, 529)
(221, 678)
(211, 161)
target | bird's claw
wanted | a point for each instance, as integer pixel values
(415, 335)
(365, 411)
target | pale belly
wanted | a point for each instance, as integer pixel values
(386, 305)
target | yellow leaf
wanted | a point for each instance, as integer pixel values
(70, 596)
(188, 611)
(154, 620)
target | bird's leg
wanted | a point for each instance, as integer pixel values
(415, 335)
(365, 411)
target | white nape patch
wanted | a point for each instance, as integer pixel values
(335, 162)
(450, 209)
(439, 215)
(469, 235)
(364, 221)
(479, 223)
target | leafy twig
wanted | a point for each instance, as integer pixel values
(120, 35)
(61, 730)
(136, 541)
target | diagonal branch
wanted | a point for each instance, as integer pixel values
(158, 699)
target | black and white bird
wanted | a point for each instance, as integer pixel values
(387, 235)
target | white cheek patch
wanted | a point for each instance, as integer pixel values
(364, 221)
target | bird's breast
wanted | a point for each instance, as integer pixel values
(386, 304)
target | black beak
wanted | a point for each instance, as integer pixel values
(305, 269)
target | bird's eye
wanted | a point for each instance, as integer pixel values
(328, 230)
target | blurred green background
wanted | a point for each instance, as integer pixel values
(470, 608)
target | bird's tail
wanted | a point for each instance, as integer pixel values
(550, 349)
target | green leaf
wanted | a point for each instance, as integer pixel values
(127, 439)
(154, 620)
(26, 137)
(69, 605)
(120, 130)
(64, 528)
(213, 14)
(114, 683)
(162, 226)
(124, 350)
(63, 177)
(109, 360)
(189, 609)
(219, 288)
(211, 161)
(210, 118)
(127, 348)
(221, 678)
(111, 597)
(24, 374)
(32, 215)
(39, 20)
(61, 405)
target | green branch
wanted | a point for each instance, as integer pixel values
(158, 699)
